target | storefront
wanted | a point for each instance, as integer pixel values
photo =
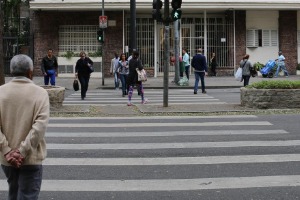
(229, 29)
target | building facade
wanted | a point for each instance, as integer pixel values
(228, 28)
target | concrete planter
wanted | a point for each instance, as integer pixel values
(298, 72)
(56, 95)
(270, 98)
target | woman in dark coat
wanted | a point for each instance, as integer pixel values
(132, 79)
(213, 64)
(82, 70)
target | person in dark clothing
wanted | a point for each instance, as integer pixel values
(49, 68)
(83, 72)
(200, 66)
(132, 79)
(213, 64)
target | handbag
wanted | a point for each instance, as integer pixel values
(142, 76)
(91, 68)
(75, 84)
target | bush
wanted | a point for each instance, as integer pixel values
(298, 66)
(258, 66)
(275, 85)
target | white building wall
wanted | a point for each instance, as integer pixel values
(262, 20)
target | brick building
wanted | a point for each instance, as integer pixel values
(229, 28)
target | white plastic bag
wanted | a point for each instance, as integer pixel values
(238, 75)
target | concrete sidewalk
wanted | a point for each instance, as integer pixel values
(157, 83)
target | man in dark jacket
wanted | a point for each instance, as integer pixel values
(200, 69)
(49, 67)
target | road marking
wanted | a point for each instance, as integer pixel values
(69, 103)
(114, 125)
(157, 117)
(124, 100)
(182, 145)
(164, 134)
(209, 160)
(167, 184)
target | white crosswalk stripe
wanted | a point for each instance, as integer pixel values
(135, 142)
(154, 96)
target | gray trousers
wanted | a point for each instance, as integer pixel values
(24, 183)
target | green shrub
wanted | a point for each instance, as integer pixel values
(95, 54)
(275, 85)
(258, 66)
(298, 66)
(70, 54)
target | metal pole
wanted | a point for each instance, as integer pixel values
(176, 40)
(234, 48)
(132, 24)
(166, 55)
(102, 67)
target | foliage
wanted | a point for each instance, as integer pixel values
(146, 66)
(275, 85)
(95, 54)
(298, 66)
(258, 66)
(70, 54)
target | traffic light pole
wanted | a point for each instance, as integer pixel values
(102, 67)
(166, 54)
(132, 25)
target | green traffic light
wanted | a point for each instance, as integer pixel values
(176, 14)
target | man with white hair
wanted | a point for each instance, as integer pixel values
(24, 115)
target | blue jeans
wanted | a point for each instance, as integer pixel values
(23, 183)
(284, 69)
(123, 78)
(84, 83)
(199, 75)
(246, 80)
(116, 80)
(187, 68)
(51, 75)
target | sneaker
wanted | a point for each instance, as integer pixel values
(287, 76)
(195, 92)
(129, 104)
(275, 76)
(145, 101)
(204, 92)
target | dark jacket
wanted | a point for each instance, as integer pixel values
(214, 62)
(82, 68)
(132, 76)
(199, 63)
(49, 64)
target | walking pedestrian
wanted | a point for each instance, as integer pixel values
(281, 64)
(49, 67)
(186, 61)
(246, 64)
(82, 71)
(113, 70)
(124, 71)
(200, 68)
(24, 116)
(213, 64)
(135, 63)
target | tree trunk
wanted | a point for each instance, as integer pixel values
(2, 80)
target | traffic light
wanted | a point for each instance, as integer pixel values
(176, 4)
(176, 14)
(100, 37)
(156, 13)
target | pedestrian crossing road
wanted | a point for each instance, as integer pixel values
(155, 97)
(175, 157)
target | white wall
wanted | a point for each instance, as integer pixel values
(262, 20)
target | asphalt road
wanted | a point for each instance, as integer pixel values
(203, 157)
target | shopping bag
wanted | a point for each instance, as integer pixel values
(142, 76)
(238, 75)
(183, 82)
(75, 84)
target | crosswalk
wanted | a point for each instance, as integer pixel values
(174, 157)
(155, 97)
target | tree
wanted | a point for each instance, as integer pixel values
(2, 80)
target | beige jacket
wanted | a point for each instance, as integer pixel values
(24, 115)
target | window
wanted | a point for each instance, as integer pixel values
(78, 38)
(262, 38)
(298, 37)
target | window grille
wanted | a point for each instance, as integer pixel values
(270, 38)
(252, 38)
(77, 39)
(298, 37)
